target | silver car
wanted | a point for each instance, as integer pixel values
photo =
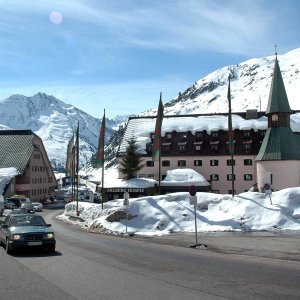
(37, 206)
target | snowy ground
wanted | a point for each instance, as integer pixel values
(160, 215)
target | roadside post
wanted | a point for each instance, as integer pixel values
(268, 191)
(193, 201)
(126, 203)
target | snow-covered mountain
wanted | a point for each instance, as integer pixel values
(54, 121)
(250, 87)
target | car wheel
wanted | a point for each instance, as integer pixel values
(8, 248)
(51, 249)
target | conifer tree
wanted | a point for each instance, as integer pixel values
(131, 161)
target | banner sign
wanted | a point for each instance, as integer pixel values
(124, 190)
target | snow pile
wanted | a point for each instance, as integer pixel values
(6, 174)
(184, 177)
(160, 215)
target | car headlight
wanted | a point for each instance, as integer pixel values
(49, 236)
(17, 237)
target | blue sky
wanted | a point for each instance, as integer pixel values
(119, 55)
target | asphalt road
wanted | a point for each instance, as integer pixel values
(92, 266)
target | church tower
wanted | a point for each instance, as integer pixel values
(278, 160)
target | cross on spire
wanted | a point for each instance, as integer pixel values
(276, 50)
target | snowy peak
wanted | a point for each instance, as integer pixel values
(250, 87)
(55, 122)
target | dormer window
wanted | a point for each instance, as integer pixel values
(246, 133)
(214, 146)
(199, 134)
(168, 135)
(247, 146)
(214, 133)
(182, 147)
(183, 135)
(166, 147)
(198, 146)
(262, 133)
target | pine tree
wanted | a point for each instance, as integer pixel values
(131, 161)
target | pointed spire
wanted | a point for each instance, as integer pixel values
(278, 100)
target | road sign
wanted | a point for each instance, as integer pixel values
(193, 200)
(268, 192)
(126, 199)
(193, 190)
(267, 186)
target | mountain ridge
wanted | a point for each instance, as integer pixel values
(55, 121)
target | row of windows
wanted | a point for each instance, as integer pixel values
(213, 177)
(38, 168)
(41, 180)
(198, 162)
(38, 180)
(38, 192)
(198, 146)
(201, 134)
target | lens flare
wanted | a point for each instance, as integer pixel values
(56, 17)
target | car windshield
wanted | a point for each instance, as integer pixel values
(29, 220)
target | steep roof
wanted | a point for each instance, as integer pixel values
(278, 100)
(280, 143)
(16, 147)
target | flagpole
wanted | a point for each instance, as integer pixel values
(72, 178)
(159, 169)
(100, 156)
(77, 166)
(102, 186)
(230, 137)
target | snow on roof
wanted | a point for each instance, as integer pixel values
(59, 176)
(184, 177)
(141, 128)
(6, 174)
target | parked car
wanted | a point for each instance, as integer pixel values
(26, 231)
(46, 202)
(27, 208)
(9, 204)
(37, 206)
(18, 200)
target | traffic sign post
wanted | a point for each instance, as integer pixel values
(268, 191)
(126, 203)
(193, 201)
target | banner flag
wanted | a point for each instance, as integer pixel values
(99, 163)
(156, 149)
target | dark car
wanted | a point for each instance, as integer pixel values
(26, 231)
(9, 204)
(18, 201)
(27, 208)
